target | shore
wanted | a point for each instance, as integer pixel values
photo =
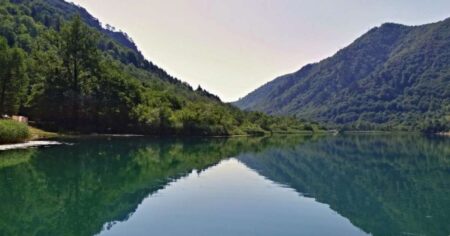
(28, 144)
(36, 134)
(34, 139)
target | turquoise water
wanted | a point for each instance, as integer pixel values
(283, 185)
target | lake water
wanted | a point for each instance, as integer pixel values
(282, 185)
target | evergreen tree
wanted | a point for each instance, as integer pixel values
(81, 59)
(12, 78)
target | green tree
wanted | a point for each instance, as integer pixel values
(12, 78)
(80, 60)
(85, 79)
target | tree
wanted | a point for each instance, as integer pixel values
(80, 60)
(85, 79)
(12, 78)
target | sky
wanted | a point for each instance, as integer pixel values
(231, 47)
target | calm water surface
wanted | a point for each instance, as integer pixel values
(285, 185)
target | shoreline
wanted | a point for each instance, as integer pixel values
(28, 144)
(36, 140)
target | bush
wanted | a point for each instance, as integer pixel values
(13, 131)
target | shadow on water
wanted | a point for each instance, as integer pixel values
(385, 185)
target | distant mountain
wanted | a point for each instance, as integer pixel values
(392, 77)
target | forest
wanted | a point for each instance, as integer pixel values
(394, 77)
(66, 72)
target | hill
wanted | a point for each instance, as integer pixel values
(392, 77)
(64, 70)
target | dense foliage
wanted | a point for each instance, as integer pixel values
(61, 68)
(13, 131)
(393, 77)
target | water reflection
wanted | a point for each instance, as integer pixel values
(384, 185)
(231, 199)
(75, 190)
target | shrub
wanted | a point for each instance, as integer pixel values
(13, 131)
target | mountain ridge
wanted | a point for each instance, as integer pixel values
(69, 10)
(380, 67)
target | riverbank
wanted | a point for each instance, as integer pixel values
(27, 144)
(13, 132)
(32, 137)
(36, 133)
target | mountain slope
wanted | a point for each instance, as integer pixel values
(62, 69)
(52, 13)
(392, 77)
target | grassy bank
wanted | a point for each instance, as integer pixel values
(36, 133)
(16, 132)
(13, 132)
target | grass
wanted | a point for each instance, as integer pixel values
(16, 132)
(13, 132)
(36, 133)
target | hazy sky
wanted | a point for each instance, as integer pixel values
(231, 47)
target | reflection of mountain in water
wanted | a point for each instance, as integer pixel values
(75, 190)
(386, 185)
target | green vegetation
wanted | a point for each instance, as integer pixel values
(394, 77)
(13, 131)
(36, 133)
(12, 78)
(67, 73)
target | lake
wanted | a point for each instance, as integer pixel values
(361, 184)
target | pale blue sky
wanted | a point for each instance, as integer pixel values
(231, 47)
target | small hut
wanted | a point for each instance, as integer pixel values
(21, 119)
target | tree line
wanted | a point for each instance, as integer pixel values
(69, 76)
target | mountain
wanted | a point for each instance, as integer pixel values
(53, 12)
(65, 71)
(392, 77)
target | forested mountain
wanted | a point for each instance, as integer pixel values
(393, 77)
(61, 68)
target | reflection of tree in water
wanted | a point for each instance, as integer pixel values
(386, 185)
(75, 190)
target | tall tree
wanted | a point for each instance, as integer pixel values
(12, 78)
(81, 60)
